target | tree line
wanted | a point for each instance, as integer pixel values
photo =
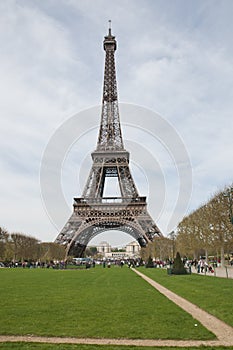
(208, 228)
(206, 231)
(21, 247)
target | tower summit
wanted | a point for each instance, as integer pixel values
(110, 137)
(93, 213)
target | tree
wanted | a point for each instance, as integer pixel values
(164, 247)
(172, 238)
(50, 251)
(24, 247)
(4, 236)
(91, 252)
(149, 250)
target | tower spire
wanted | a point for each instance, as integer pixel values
(110, 137)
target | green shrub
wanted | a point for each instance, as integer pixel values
(178, 266)
(150, 262)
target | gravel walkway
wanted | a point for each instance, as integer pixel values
(223, 332)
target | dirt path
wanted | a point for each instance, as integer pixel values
(223, 332)
(92, 341)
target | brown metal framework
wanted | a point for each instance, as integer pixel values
(94, 213)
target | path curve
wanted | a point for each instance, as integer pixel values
(223, 332)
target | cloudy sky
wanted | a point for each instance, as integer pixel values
(174, 60)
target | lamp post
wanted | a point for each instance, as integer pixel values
(229, 194)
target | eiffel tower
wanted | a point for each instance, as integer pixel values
(93, 213)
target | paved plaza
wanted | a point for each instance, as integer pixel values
(223, 272)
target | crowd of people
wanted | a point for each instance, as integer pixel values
(201, 265)
(35, 264)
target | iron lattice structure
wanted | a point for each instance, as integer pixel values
(92, 212)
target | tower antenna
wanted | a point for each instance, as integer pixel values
(109, 27)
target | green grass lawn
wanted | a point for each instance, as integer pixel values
(102, 303)
(212, 294)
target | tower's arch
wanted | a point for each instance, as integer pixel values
(83, 236)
